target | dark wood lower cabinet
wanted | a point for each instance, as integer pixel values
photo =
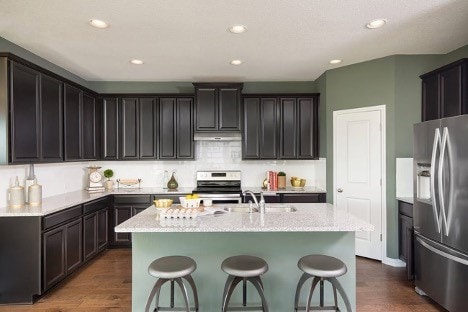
(62, 252)
(406, 236)
(102, 228)
(121, 214)
(90, 235)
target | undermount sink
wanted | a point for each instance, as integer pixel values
(268, 208)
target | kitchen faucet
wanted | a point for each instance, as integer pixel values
(259, 205)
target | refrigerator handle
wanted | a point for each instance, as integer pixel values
(437, 142)
(443, 215)
(441, 253)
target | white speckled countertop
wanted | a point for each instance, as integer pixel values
(59, 202)
(307, 218)
(56, 203)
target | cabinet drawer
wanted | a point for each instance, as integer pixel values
(95, 205)
(132, 199)
(302, 198)
(175, 198)
(405, 208)
(62, 216)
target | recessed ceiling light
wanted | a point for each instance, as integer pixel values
(136, 62)
(238, 29)
(376, 23)
(335, 61)
(98, 23)
(236, 62)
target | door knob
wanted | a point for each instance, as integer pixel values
(340, 190)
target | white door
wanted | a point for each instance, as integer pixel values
(358, 159)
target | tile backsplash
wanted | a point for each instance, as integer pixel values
(227, 155)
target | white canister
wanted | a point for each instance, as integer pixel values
(35, 194)
(16, 195)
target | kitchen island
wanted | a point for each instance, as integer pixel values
(281, 238)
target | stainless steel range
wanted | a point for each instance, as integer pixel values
(220, 186)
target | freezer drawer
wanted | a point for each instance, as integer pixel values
(442, 274)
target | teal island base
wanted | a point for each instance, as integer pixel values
(281, 250)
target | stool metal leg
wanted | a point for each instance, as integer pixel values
(335, 298)
(302, 280)
(230, 285)
(257, 282)
(156, 288)
(315, 281)
(194, 290)
(340, 289)
(184, 292)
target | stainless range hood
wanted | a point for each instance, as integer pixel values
(217, 136)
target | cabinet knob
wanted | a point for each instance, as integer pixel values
(340, 190)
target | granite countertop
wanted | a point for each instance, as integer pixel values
(59, 202)
(307, 218)
(409, 200)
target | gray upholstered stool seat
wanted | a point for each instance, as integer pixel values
(244, 268)
(321, 268)
(172, 269)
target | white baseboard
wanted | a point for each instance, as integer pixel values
(394, 262)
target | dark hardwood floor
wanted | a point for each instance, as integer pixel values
(104, 284)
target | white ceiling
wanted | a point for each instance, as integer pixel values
(187, 40)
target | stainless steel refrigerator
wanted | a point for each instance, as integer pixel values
(441, 211)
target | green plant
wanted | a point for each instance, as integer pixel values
(281, 174)
(108, 173)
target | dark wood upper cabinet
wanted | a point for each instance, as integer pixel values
(25, 114)
(280, 127)
(307, 128)
(148, 111)
(110, 128)
(51, 119)
(288, 128)
(73, 120)
(129, 124)
(445, 91)
(89, 127)
(184, 129)
(218, 106)
(260, 139)
(167, 128)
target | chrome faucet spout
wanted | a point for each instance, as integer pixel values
(253, 197)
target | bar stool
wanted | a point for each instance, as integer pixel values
(172, 269)
(321, 268)
(244, 268)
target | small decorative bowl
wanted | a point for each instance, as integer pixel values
(189, 203)
(163, 203)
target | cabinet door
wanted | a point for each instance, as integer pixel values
(405, 237)
(303, 198)
(72, 123)
(206, 109)
(308, 128)
(184, 129)
(268, 128)
(121, 214)
(74, 249)
(136, 209)
(90, 235)
(167, 128)
(451, 92)
(251, 136)
(110, 129)
(288, 128)
(51, 119)
(229, 109)
(89, 127)
(129, 128)
(148, 128)
(102, 228)
(54, 267)
(430, 98)
(25, 117)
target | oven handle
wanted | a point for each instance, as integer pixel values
(215, 199)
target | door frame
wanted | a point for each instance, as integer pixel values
(383, 150)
